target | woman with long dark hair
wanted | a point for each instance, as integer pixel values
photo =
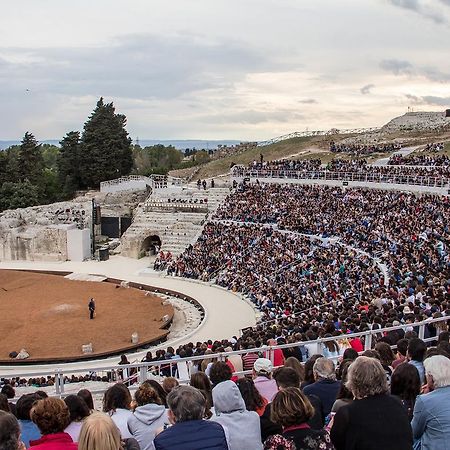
(405, 384)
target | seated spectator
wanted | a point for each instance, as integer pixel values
(117, 403)
(295, 364)
(262, 370)
(309, 372)
(252, 398)
(189, 431)
(405, 384)
(344, 396)
(159, 390)
(100, 432)
(169, 383)
(4, 405)
(201, 382)
(326, 387)
(244, 430)
(374, 420)
(29, 430)
(10, 432)
(78, 412)
(431, 419)
(416, 354)
(149, 416)
(10, 393)
(86, 395)
(291, 409)
(220, 371)
(402, 348)
(51, 415)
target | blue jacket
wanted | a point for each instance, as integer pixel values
(192, 435)
(431, 420)
(29, 432)
(327, 391)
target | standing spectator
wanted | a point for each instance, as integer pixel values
(431, 420)
(262, 377)
(9, 432)
(416, 354)
(189, 431)
(326, 387)
(374, 420)
(243, 426)
(51, 415)
(78, 412)
(291, 409)
(148, 417)
(405, 384)
(29, 430)
(117, 403)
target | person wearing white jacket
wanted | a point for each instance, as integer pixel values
(244, 429)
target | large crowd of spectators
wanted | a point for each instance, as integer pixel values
(346, 170)
(419, 160)
(363, 149)
(378, 398)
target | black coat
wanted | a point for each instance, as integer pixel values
(372, 423)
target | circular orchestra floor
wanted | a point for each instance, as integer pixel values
(48, 316)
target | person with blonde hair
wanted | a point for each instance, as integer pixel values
(99, 432)
(375, 419)
(431, 417)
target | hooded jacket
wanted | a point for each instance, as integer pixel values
(144, 423)
(243, 426)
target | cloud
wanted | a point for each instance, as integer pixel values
(136, 66)
(422, 8)
(397, 67)
(253, 117)
(366, 89)
(429, 100)
(308, 101)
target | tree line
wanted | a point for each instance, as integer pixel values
(33, 173)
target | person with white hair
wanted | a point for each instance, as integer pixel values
(431, 418)
(326, 387)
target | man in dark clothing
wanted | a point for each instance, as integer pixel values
(91, 308)
(325, 387)
(189, 431)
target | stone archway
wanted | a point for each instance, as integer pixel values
(150, 246)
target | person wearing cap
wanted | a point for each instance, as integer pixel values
(262, 378)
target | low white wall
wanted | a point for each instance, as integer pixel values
(350, 184)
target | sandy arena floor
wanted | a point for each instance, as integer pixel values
(48, 315)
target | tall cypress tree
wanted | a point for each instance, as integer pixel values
(68, 162)
(30, 160)
(105, 151)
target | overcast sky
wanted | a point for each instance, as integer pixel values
(220, 69)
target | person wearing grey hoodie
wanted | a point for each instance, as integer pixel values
(149, 416)
(243, 426)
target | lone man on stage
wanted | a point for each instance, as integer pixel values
(91, 308)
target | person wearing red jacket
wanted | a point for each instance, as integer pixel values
(51, 415)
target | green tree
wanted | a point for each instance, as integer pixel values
(68, 163)
(50, 154)
(105, 146)
(18, 195)
(30, 160)
(156, 159)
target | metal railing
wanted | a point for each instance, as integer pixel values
(182, 367)
(363, 177)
